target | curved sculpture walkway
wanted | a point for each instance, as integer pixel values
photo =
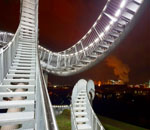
(108, 30)
(82, 114)
(23, 91)
(24, 101)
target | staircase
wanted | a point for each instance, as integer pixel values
(17, 92)
(82, 114)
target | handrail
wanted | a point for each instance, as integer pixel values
(90, 84)
(88, 87)
(44, 115)
(46, 111)
(50, 121)
(7, 54)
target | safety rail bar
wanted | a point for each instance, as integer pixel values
(7, 54)
(45, 118)
(44, 109)
(89, 88)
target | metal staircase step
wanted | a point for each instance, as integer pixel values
(30, 1)
(24, 64)
(21, 71)
(16, 104)
(27, 24)
(29, 7)
(25, 76)
(26, 48)
(80, 113)
(79, 108)
(29, 4)
(80, 100)
(26, 27)
(27, 19)
(9, 81)
(80, 104)
(26, 53)
(23, 30)
(5, 87)
(24, 61)
(27, 10)
(25, 43)
(23, 68)
(16, 117)
(84, 127)
(81, 96)
(27, 34)
(28, 37)
(29, 95)
(82, 120)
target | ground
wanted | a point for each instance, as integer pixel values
(64, 123)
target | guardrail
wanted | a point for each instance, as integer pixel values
(7, 54)
(84, 108)
(44, 118)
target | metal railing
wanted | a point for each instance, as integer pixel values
(114, 22)
(44, 115)
(45, 118)
(89, 88)
(7, 54)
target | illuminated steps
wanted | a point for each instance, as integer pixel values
(17, 104)
(23, 68)
(9, 81)
(21, 72)
(22, 30)
(24, 64)
(84, 127)
(29, 95)
(20, 76)
(25, 58)
(17, 118)
(28, 24)
(79, 109)
(27, 87)
(24, 61)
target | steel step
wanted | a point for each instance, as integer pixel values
(16, 104)
(9, 81)
(84, 127)
(21, 71)
(16, 117)
(5, 87)
(29, 95)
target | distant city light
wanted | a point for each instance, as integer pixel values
(55, 86)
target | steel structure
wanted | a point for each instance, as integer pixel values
(82, 114)
(23, 90)
(115, 20)
(5, 37)
(24, 99)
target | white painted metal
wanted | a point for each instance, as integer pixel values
(23, 92)
(82, 114)
(101, 38)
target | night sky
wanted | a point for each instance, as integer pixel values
(62, 23)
